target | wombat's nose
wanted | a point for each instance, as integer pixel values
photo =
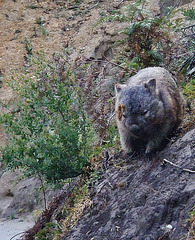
(135, 129)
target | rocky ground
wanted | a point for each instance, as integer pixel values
(14, 227)
(138, 199)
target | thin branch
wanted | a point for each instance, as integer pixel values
(62, 114)
(175, 165)
(109, 120)
(106, 159)
(16, 235)
(93, 6)
(43, 191)
(183, 54)
(115, 64)
(190, 26)
(47, 214)
(106, 61)
(120, 3)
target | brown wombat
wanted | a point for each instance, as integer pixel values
(149, 107)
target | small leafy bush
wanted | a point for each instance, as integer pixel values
(48, 130)
(188, 59)
(49, 232)
(191, 220)
(189, 13)
(148, 37)
(189, 90)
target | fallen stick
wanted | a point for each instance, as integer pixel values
(175, 165)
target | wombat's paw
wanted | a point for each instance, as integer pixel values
(149, 156)
(149, 153)
(128, 155)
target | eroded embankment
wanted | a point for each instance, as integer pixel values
(139, 199)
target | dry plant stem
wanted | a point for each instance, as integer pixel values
(143, 5)
(103, 69)
(120, 3)
(108, 61)
(93, 6)
(16, 235)
(105, 161)
(175, 165)
(61, 113)
(108, 124)
(44, 193)
(190, 28)
(109, 120)
(115, 64)
(47, 214)
(184, 54)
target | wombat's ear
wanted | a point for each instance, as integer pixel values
(119, 87)
(151, 85)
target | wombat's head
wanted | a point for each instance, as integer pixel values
(138, 108)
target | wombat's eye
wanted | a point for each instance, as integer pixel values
(145, 111)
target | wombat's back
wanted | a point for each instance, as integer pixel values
(166, 89)
(162, 76)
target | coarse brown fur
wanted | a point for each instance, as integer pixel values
(149, 107)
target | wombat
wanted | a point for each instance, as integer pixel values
(149, 107)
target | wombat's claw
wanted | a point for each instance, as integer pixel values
(129, 155)
(149, 156)
(132, 154)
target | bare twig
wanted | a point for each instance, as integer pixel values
(175, 165)
(105, 161)
(62, 114)
(16, 235)
(177, 4)
(109, 120)
(120, 3)
(115, 64)
(106, 61)
(43, 191)
(103, 69)
(93, 6)
(183, 54)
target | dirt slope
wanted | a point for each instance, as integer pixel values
(140, 200)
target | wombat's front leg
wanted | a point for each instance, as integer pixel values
(155, 144)
(126, 142)
(158, 141)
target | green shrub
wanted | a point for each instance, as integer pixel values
(189, 14)
(189, 89)
(47, 127)
(49, 232)
(188, 58)
(148, 39)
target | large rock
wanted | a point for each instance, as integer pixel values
(20, 196)
(139, 199)
(17, 195)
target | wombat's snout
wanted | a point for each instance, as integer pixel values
(135, 130)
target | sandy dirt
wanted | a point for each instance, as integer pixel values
(9, 228)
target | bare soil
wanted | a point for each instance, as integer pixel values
(11, 228)
(138, 199)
